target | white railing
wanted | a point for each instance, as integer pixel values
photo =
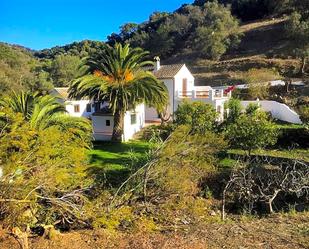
(198, 94)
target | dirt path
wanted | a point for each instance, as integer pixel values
(278, 232)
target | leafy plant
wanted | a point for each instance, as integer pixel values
(201, 117)
(252, 132)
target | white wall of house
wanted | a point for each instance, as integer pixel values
(183, 73)
(278, 110)
(103, 124)
(102, 127)
(174, 85)
(151, 113)
(78, 108)
(134, 121)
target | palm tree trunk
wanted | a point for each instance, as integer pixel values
(118, 126)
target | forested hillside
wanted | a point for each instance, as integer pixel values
(218, 40)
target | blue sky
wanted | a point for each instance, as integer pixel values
(39, 24)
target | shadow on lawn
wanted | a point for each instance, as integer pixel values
(114, 162)
(108, 178)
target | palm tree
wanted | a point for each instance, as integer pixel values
(117, 76)
(45, 111)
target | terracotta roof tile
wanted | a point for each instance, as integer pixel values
(167, 71)
(62, 92)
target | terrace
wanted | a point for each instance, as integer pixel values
(199, 94)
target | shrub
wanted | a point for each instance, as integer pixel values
(252, 108)
(44, 174)
(252, 132)
(186, 159)
(156, 133)
(263, 181)
(304, 113)
(199, 116)
(234, 109)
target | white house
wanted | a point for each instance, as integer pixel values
(180, 84)
(102, 119)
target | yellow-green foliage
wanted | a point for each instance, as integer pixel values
(112, 219)
(183, 210)
(37, 163)
(186, 159)
(145, 224)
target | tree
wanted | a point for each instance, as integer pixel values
(233, 110)
(43, 112)
(64, 69)
(250, 132)
(19, 70)
(263, 181)
(116, 76)
(252, 108)
(218, 32)
(298, 31)
(199, 116)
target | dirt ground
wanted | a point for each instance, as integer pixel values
(279, 231)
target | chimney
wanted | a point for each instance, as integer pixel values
(157, 63)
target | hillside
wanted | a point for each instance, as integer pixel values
(20, 70)
(264, 45)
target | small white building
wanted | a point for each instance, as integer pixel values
(180, 84)
(102, 119)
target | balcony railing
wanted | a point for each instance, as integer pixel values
(185, 94)
(198, 94)
(202, 94)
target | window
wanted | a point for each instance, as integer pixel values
(133, 119)
(76, 108)
(107, 122)
(88, 108)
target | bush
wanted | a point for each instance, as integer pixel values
(304, 113)
(44, 174)
(187, 158)
(199, 116)
(252, 132)
(263, 181)
(155, 133)
(234, 110)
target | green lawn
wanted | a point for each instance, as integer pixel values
(112, 162)
(298, 154)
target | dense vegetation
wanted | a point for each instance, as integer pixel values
(176, 178)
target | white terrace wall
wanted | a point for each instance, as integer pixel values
(278, 110)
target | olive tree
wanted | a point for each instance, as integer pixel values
(252, 132)
(201, 117)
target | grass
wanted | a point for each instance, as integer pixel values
(113, 162)
(298, 154)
